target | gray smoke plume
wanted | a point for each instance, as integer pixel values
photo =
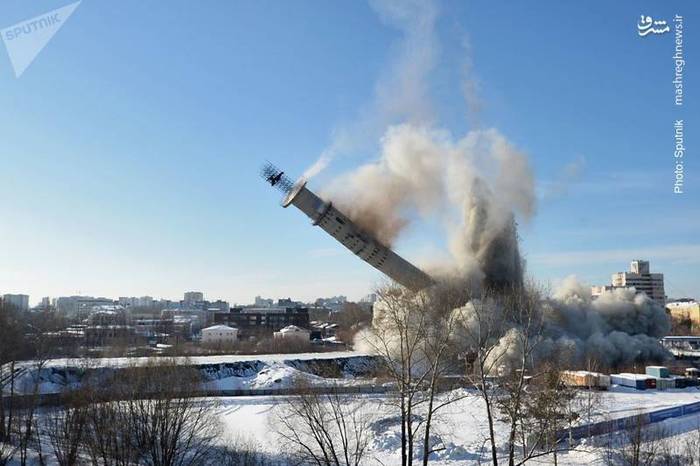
(473, 186)
(618, 328)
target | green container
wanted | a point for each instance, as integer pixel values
(657, 371)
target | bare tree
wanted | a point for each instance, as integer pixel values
(547, 412)
(522, 309)
(22, 338)
(240, 451)
(159, 420)
(691, 448)
(479, 328)
(397, 332)
(411, 331)
(108, 440)
(7, 452)
(325, 429)
(65, 429)
(641, 443)
(26, 427)
(499, 331)
(13, 347)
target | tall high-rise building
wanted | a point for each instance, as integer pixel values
(20, 301)
(263, 302)
(193, 297)
(641, 279)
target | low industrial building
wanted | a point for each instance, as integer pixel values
(261, 322)
(322, 330)
(109, 335)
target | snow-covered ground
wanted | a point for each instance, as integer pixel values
(461, 426)
(281, 374)
(623, 401)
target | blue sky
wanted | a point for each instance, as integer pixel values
(130, 148)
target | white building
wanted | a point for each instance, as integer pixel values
(599, 290)
(292, 331)
(263, 302)
(641, 279)
(335, 304)
(219, 334)
(20, 301)
(80, 305)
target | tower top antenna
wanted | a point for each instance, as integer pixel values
(276, 178)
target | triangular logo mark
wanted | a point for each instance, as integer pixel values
(25, 40)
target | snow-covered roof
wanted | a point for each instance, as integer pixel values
(292, 328)
(682, 303)
(630, 376)
(219, 328)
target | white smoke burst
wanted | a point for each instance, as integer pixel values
(473, 186)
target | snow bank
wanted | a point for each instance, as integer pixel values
(219, 372)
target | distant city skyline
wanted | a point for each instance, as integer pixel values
(129, 171)
(21, 298)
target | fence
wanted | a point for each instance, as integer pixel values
(614, 425)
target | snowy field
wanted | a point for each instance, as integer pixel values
(461, 426)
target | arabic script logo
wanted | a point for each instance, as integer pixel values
(648, 26)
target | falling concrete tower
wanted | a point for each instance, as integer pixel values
(340, 227)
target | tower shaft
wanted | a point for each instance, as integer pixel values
(340, 227)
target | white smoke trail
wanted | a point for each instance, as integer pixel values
(402, 91)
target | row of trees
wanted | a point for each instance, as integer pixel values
(20, 339)
(150, 414)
